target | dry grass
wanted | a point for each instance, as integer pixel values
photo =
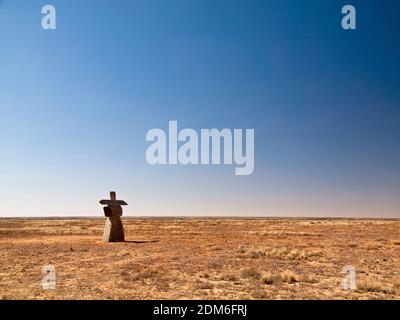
(256, 253)
(216, 264)
(308, 278)
(204, 285)
(370, 285)
(284, 253)
(270, 279)
(148, 274)
(229, 277)
(292, 254)
(288, 233)
(288, 276)
(396, 284)
(200, 259)
(251, 273)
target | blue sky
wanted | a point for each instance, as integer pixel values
(76, 104)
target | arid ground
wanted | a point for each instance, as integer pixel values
(200, 258)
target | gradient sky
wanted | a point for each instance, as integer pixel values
(76, 103)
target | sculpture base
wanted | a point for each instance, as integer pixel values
(114, 230)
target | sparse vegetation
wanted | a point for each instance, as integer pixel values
(216, 264)
(288, 276)
(269, 279)
(147, 274)
(292, 254)
(283, 233)
(370, 285)
(283, 253)
(204, 285)
(256, 253)
(229, 277)
(308, 278)
(190, 258)
(396, 283)
(251, 273)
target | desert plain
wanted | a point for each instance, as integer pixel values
(201, 258)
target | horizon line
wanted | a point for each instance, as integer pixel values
(205, 217)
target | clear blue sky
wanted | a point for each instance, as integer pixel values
(76, 103)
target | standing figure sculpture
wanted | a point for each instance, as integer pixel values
(113, 230)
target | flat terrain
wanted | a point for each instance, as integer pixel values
(201, 259)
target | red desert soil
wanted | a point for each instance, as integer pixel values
(201, 258)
